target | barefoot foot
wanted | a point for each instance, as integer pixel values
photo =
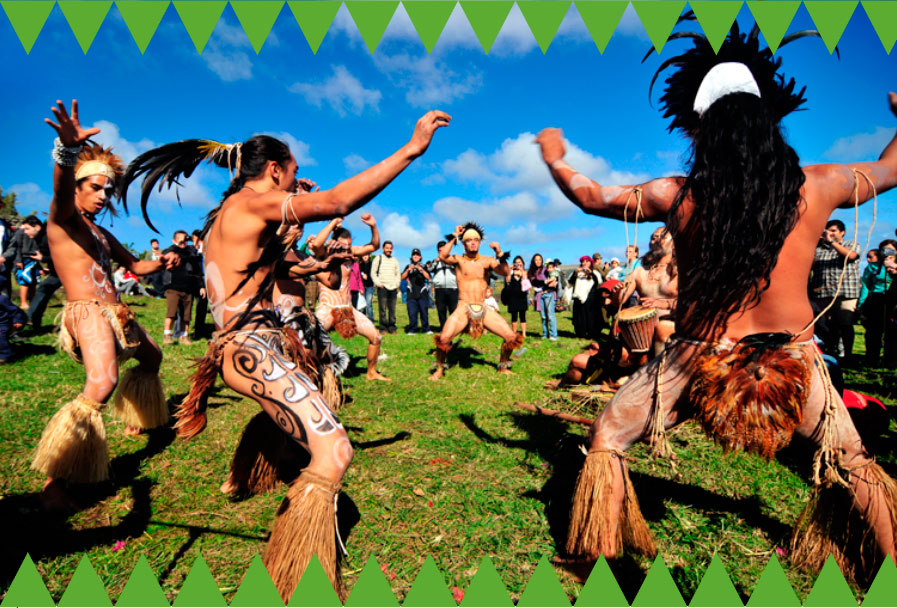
(377, 376)
(437, 375)
(133, 431)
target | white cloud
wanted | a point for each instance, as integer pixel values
(495, 212)
(342, 91)
(398, 229)
(861, 146)
(110, 136)
(517, 164)
(30, 197)
(355, 163)
(300, 149)
(427, 81)
(631, 25)
(531, 234)
(227, 54)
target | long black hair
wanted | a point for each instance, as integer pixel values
(165, 165)
(743, 178)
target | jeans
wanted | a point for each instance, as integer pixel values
(387, 301)
(419, 306)
(38, 304)
(369, 299)
(549, 320)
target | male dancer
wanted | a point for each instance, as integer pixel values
(255, 355)
(745, 221)
(97, 329)
(473, 272)
(335, 309)
(657, 283)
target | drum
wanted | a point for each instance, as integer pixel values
(637, 327)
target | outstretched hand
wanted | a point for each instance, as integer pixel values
(892, 100)
(306, 185)
(368, 219)
(551, 142)
(424, 129)
(170, 260)
(68, 126)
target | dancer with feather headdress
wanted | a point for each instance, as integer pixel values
(472, 314)
(745, 221)
(97, 329)
(252, 350)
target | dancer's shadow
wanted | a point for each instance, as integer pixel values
(464, 357)
(358, 366)
(550, 439)
(25, 350)
(26, 527)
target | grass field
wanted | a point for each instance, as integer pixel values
(450, 470)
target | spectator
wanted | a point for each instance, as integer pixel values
(828, 264)
(24, 252)
(617, 272)
(877, 301)
(515, 293)
(586, 305)
(598, 265)
(386, 276)
(126, 282)
(356, 286)
(200, 328)
(11, 319)
(536, 275)
(445, 286)
(365, 267)
(46, 288)
(418, 300)
(179, 285)
(6, 234)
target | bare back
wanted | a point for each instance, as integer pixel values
(785, 305)
(236, 239)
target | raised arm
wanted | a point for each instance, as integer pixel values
(71, 138)
(347, 196)
(445, 252)
(842, 185)
(316, 246)
(646, 202)
(374, 245)
(501, 260)
(139, 267)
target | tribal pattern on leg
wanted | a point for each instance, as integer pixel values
(259, 359)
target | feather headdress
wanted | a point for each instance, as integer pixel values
(166, 164)
(94, 159)
(677, 101)
(468, 226)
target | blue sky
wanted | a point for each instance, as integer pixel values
(344, 109)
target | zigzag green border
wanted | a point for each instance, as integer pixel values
(429, 589)
(429, 17)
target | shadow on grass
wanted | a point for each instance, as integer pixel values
(27, 528)
(549, 438)
(25, 350)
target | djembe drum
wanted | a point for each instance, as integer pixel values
(637, 327)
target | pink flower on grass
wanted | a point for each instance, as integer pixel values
(457, 594)
(118, 546)
(781, 552)
(429, 503)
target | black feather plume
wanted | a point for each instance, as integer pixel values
(166, 164)
(677, 101)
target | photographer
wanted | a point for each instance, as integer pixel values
(445, 286)
(418, 301)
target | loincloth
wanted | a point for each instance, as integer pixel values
(751, 394)
(121, 319)
(283, 339)
(476, 315)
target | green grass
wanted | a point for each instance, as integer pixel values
(450, 470)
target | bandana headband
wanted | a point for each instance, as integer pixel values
(724, 79)
(94, 167)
